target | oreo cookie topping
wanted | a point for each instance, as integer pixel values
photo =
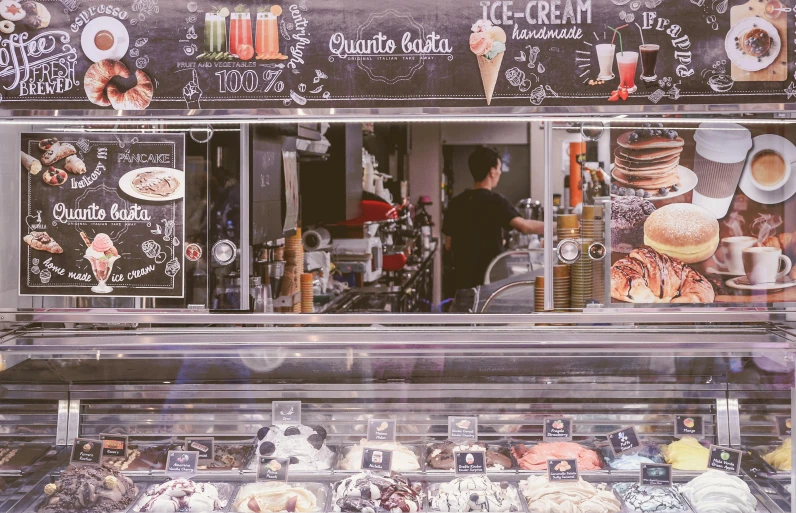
(367, 492)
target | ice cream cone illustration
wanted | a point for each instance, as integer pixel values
(488, 43)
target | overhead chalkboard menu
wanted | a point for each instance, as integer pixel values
(196, 54)
(102, 215)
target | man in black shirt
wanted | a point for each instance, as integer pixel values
(476, 219)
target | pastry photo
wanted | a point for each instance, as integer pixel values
(31, 164)
(101, 92)
(41, 241)
(57, 151)
(154, 184)
(105, 38)
(53, 176)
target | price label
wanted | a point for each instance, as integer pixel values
(182, 463)
(381, 430)
(87, 453)
(724, 459)
(286, 412)
(654, 474)
(204, 446)
(623, 440)
(376, 459)
(114, 446)
(463, 428)
(784, 425)
(562, 470)
(272, 469)
(469, 462)
(557, 429)
(689, 425)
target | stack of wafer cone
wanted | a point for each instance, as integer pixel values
(307, 294)
(294, 250)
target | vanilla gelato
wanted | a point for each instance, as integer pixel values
(403, 458)
(568, 497)
(475, 493)
(717, 492)
(275, 498)
(306, 446)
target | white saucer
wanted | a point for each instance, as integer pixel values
(747, 62)
(788, 189)
(113, 26)
(713, 270)
(126, 185)
(742, 283)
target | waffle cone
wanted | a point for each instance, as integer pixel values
(489, 74)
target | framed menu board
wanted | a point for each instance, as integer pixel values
(102, 214)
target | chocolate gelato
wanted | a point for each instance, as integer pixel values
(440, 455)
(628, 214)
(89, 490)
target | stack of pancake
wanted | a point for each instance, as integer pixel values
(648, 163)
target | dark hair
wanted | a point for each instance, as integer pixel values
(481, 161)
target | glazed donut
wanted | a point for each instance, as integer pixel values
(7, 27)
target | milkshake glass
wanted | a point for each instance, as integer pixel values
(627, 63)
(605, 56)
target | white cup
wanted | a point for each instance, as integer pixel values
(732, 249)
(762, 265)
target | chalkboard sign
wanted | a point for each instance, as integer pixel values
(102, 214)
(143, 54)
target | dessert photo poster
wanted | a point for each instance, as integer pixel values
(102, 214)
(703, 214)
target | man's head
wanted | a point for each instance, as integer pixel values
(485, 166)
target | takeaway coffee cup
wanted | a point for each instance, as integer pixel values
(732, 249)
(721, 150)
(762, 265)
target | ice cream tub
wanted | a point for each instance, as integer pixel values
(532, 457)
(377, 492)
(438, 456)
(647, 453)
(641, 499)
(17, 458)
(192, 495)
(406, 458)
(274, 497)
(112, 492)
(768, 459)
(539, 495)
(473, 493)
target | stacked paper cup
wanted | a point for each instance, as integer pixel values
(593, 224)
(561, 287)
(294, 245)
(307, 293)
(567, 227)
(538, 294)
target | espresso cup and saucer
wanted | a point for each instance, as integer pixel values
(105, 38)
(768, 176)
(765, 269)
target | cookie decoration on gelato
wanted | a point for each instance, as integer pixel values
(306, 444)
(475, 493)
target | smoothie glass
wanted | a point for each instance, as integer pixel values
(267, 39)
(240, 31)
(215, 33)
(627, 63)
(605, 56)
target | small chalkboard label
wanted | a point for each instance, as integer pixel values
(689, 425)
(469, 462)
(182, 463)
(204, 446)
(272, 469)
(381, 430)
(286, 412)
(562, 470)
(655, 474)
(463, 428)
(87, 452)
(784, 425)
(376, 459)
(557, 429)
(623, 440)
(114, 446)
(724, 459)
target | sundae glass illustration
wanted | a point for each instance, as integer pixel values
(102, 255)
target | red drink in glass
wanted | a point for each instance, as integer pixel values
(267, 40)
(627, 63)
(240, 31)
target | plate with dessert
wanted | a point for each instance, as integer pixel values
(768, 176)
(154, 184)
(752, 44)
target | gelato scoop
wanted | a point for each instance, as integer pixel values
(536, 457)
(475, 493)
(181, 495)
(305, 445)
(89, 489)
(568, 497)
(651, 498)
(101, 247)
(780, 458)
(366, 492)
(647, 454)
(717, 492)
(275, 498)
(440, 455)
(686, 454)
(403, 459)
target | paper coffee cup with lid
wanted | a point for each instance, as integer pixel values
(721, 150)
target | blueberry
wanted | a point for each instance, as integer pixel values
(675, 188)
(647, 194)
(292, 431)
(640, 193)
(320, 431)
(316, 441)
(647, 125)
(633, 137)
(614, 188)
(622, 191)
(663, 191)
(474, 498)
(630, 192)
(657, 132)
(267, 449)
(658, 125)
(646, 133)
(261, 434)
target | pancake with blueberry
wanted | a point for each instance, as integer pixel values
(647, 158)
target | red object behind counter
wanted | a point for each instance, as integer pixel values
(372, 211)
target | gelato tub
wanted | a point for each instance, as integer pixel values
(534, 457)
(646, 454)
(651, 498)
(186, 496)
(474, 493)
(280, 498)
(368, 493)
(405, 458)
(579, 496)
(88, 489)
(439, 455)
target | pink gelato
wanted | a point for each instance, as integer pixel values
(102, 243)
(480, 43)
(536, 457)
